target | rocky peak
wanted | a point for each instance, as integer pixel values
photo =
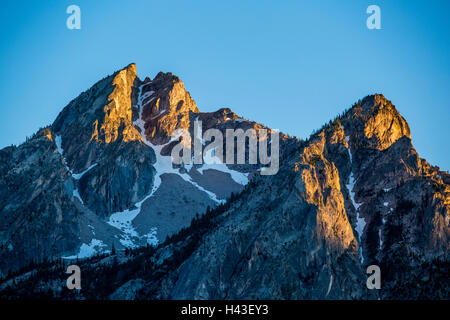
(97, 117)
(118, 112)
(166, 106)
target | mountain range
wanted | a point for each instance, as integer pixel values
(97, 188)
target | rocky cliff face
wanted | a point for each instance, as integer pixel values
(166, 106)
(355, 193)
(118, 112)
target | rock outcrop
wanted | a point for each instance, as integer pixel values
(166, 107)
(118, 113)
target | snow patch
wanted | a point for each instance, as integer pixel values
(88, 250)
(58, 143)
(330, 284)
(380, 245)
(78, 176)
(163, 164)
(159, 113)
(123, 221)
(76, 194)
(383, 221)
(92, 228)
(214, 163)
(151, 237)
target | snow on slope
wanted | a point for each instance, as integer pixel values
(123, 220)
(79, 175)
(360, 222)
(163, 164)
(89, 250)
(75, 193)
(58, 143)
(214, 163)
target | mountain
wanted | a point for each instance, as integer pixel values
(101, 174)
(356, 193)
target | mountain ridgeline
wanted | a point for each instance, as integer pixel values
(97, 188)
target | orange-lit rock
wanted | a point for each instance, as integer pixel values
(118, 113)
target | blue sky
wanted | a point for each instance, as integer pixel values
(291, 65)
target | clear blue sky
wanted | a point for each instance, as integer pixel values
(290, 65)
